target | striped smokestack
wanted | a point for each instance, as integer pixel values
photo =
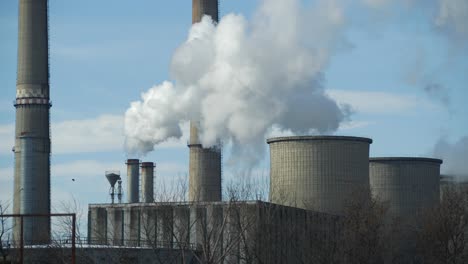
(204, 163)
(32, 136)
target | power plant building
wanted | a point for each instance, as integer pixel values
(409, 184)
(32, 132)
(226, 232)
(318, 173)
(311, 180)
(204, 163)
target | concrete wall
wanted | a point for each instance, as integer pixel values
(90, 255)
(408, 184)
(237, 232)
(318, 172)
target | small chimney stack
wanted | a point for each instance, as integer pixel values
(133, 175)
(147, 182)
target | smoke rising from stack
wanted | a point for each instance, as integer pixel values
(454, 156)
(242, 77)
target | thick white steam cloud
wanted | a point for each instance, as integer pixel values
(240, 78)
(454, 156)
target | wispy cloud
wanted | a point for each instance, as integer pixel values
(103, 133)
(100, 134)
(353, 125)
(371, 102)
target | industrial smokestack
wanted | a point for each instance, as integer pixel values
(204, 7)
(147, 182)
(133, 175)
(32, 151)
(204, 163)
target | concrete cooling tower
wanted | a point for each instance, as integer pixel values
(318, 172)
(408, 184)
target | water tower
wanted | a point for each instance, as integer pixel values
(112, 177)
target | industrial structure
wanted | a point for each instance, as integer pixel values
(204, 7)
(318, 172)
(311, 180)
(222, 232)
(147, 182)
(112, 177)
(408, 184)
(204, 163)
(133, 178)
(32, 132)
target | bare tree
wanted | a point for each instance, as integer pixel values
(443, 234)
(5, 231)
(364, 235)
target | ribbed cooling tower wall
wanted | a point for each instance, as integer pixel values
(408, 184)
(147, 182)
(318, 172)
(133, 178)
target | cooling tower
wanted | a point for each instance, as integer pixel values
(147, 182)
(204, 163)
(318, 173)
(204, 7)
(133, 178)
(32, 138)
(408, 184)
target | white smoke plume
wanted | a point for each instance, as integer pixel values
(454, 156)
(242, 77)
(448, 17)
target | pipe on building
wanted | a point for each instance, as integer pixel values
(147, 182)
(133, 175)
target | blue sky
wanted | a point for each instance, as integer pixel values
(104, 54)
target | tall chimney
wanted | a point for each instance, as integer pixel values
(204, 7)
(204, 163)
(32, 137)
(133, 175)
(147, 182)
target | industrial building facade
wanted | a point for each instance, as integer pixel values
(218, 232)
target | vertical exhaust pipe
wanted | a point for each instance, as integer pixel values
(133, 175)
(147, 182)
